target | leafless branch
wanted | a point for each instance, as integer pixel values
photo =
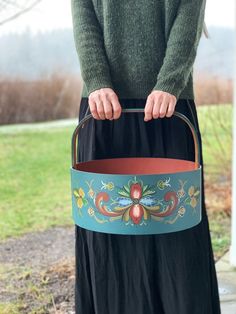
(6, 5)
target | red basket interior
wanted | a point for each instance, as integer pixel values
(136, 165)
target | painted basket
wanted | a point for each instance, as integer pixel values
(136, 195)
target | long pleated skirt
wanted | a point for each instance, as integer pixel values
(171, 273)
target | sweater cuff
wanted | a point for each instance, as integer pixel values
(169, 87)
(97, 82)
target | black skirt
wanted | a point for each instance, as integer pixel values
(144, 274)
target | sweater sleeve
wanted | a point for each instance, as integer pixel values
(181, 47)
(90, 46)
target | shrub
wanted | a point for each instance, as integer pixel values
(55, 97)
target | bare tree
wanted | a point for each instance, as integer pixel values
(11, 9)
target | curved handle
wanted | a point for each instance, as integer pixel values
(176, 113)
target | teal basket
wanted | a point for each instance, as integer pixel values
(136, 195)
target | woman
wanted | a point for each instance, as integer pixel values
(141, 54)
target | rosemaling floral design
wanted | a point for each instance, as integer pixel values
(137, 203)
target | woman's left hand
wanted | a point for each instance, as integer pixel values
(159, 104)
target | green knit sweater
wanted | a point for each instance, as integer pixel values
(136, 46)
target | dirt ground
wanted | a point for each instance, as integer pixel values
(37, 272)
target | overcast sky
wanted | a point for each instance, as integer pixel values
(51, 14)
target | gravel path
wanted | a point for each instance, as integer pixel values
(22, 127)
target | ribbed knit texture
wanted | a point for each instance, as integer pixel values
(136, 46)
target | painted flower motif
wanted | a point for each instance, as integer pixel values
(91, 193)
(136, 201)
(181, 211)
(136, 210)
(162, 184)
(193, 194)
(181, 192)
(90, 211)
(80, 195)
(109, 186)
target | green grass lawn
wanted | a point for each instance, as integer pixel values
(35, 179)
(216, 131)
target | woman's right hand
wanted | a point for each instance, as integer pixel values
(104, 104)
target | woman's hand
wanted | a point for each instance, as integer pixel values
(104, 104)
(159, 104)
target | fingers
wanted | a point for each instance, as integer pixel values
(164, 107)
(116, 106)
(104, 104)
(93, 109)
(159, 105)
(100, 108)
(156, 108)
(171, 108)
(148, 108)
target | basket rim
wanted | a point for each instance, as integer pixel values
(74, 170)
